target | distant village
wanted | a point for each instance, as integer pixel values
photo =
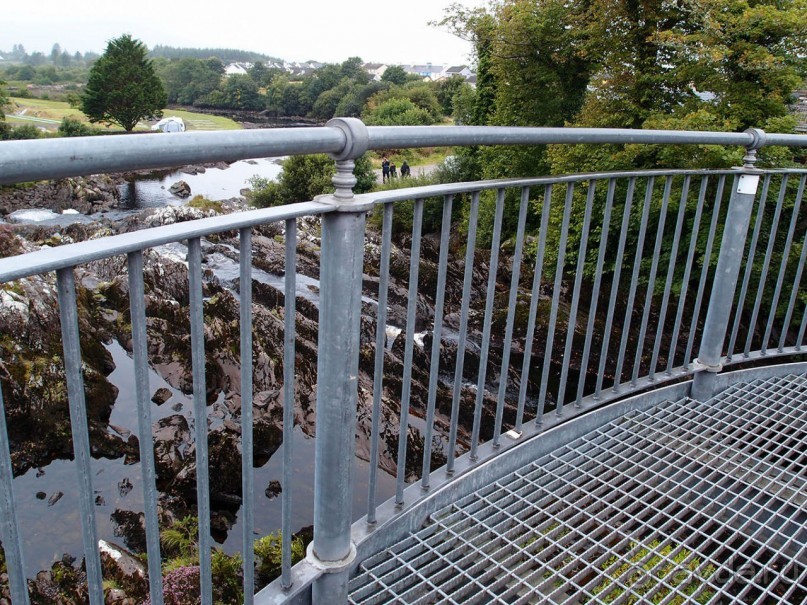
(429, 71)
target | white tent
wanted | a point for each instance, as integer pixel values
(172, 124)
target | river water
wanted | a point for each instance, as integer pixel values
(47, 497)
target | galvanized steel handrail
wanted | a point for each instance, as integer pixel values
(32, 160)
(70, 255)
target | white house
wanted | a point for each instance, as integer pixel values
(237, 68)
(457, 70)
(430, 71)
(376, 70)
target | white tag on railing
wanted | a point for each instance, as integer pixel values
(748, 184)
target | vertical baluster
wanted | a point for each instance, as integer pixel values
(634, 281)
(682, 205)
(534, 296)
(12, 545)
(749, 266)
(595, 293)
(620, 254)
(68, 312)
(707, 255)
(289, 384)
(511, 313)
(800, 339)
(763, 277)
(200, 417)
(461, 341)
(437, 335)
(137, 307)
(380, 348)
(682, 296)
(783, 266)
(651, 282)
(553, 314)
(247, 446)
(794, 295)
(578, 282)
(411, 317)
(491, 295)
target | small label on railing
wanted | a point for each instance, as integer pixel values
(748, 184)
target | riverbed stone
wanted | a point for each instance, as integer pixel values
(180, 189)
(161, 395)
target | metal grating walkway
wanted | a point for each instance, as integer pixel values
(685, 503)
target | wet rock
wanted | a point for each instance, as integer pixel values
(172, 440)
(124, 569)
(41, 495)
(124, 487)
(131, 526)
(273, 490)
(161, 395)
(180, 189)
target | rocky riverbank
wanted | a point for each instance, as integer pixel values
(33, 378)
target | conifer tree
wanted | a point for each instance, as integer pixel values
(123, 87)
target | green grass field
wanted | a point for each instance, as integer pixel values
(48, 114)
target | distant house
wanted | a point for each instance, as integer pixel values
(471, 80)
(428, 71)
(376, 70)
(458, 70)
(240, 69)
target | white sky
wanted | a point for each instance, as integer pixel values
(394, 31)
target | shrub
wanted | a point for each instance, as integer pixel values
(269, 552)
(73, 127)
(202, 203)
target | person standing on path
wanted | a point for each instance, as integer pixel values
(405, 171)
(393, 172)
(384, 169)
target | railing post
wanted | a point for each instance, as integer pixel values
(337, 372)
(732, 248)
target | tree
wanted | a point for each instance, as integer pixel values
(304, 177)
(394, 74)
(122, 87)
(3, 99)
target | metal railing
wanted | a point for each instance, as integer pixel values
(519, 341)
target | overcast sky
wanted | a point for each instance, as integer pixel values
(295, 30)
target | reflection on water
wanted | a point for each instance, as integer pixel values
(51, 524)
(214, 183)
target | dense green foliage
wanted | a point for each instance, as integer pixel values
(717, 65)
(305, 177)
(3, 99)
(226, 55)
(123, 88)
(190, 80)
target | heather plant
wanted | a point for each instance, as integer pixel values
(181, 586)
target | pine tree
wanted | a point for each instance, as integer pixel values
(123, 87)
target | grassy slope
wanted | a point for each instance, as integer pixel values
(48, 114)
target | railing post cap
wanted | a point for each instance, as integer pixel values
(357, 139)
(758, 138)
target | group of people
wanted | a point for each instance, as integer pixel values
(389, 171)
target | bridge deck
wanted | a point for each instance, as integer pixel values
(687, 502)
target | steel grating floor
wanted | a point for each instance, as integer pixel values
(685, 503)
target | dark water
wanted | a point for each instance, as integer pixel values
(215, 183)
(50, 529)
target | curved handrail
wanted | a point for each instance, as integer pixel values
(30, 160)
